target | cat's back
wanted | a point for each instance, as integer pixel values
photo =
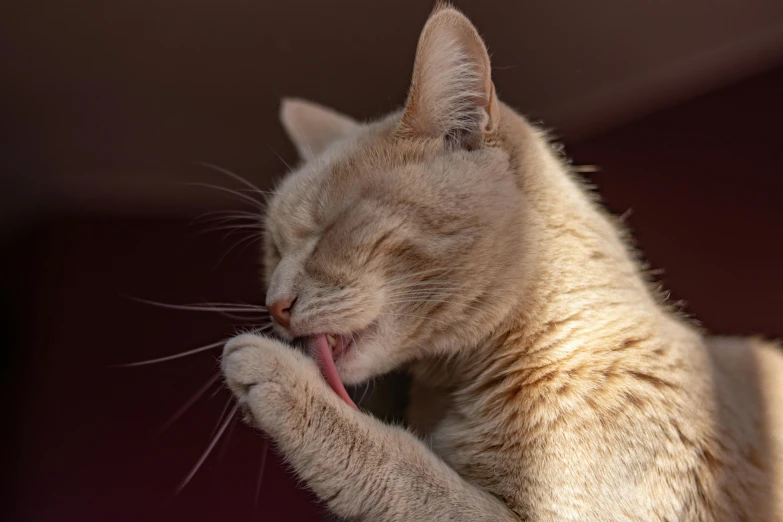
(748, 384)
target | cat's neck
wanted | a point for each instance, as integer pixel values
(583, 291)
(581, 263)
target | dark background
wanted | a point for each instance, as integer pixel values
(105, 105)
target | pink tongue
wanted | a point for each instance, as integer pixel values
(323, 354)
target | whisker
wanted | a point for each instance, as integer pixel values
(233, 225)
(418, 316)
(234, 228)
(426, 291)
(432, 291)
(238, 194)
(245, 318)
(425, 284)
(206, 307)
(249, 240)
(206, 453)
(171, 357)
(220, 303)
(185, 407)
(249, 243)
(366, 387)
(224, 447)
(222, 216)
(442, 301)
(429, 280)
(264, 328)
(420, 297)
(217, 390)
(264, 451)
(230, 174)
(279, 157)
(226, 212)
(222, 415)
(424, 272)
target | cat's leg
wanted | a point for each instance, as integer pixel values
(363, 469)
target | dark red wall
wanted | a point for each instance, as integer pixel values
(704, 184)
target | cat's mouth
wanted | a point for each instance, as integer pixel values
(326, 349)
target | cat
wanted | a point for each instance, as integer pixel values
(550, 380)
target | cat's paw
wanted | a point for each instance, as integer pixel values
(268, 378)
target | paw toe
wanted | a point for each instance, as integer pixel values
(239, 342)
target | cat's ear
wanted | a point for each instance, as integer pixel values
(312, 127)
(451, 93)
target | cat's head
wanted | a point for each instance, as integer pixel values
(401, 236)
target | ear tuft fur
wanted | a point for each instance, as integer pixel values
(451, 93)
(312, 127)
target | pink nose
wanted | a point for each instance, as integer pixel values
(281, 312)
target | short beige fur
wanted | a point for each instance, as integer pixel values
(551, 381)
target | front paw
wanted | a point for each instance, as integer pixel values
(267, 377)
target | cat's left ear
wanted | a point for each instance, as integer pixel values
(312, 127)
(451, 93)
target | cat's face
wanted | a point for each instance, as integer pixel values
(395, 237)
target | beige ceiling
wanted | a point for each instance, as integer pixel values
(107, 102)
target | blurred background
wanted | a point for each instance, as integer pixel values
(105, 105)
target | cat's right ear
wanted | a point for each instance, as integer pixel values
(312, 127)
(451, 94)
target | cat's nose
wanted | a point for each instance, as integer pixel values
(280, 310)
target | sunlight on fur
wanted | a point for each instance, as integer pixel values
(551, 381)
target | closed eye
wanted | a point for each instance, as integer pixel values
(378, 243)
(273, 254)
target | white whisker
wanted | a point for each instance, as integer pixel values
(232, 175)
(279, 157)
(424, 272)
(245, 319)
(222, 415)
(171, 357)
(265, 328)
(206, 453)
(235, 227)
(418, 316)
(206, 307)
(264, 451)
(224, 216)
(192, 400)
(232, 228)
(219, 303)
(426, 285)
(224, 447)
(249, 240)
(428, 291)
(366, 387)
(238, 194)
(426, 281)
(441, 301)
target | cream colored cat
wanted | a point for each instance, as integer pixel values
(550, 382)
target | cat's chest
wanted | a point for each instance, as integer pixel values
(478, 455)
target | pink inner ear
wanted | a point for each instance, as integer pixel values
(323, 355)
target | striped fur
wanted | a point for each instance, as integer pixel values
(551, 380)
